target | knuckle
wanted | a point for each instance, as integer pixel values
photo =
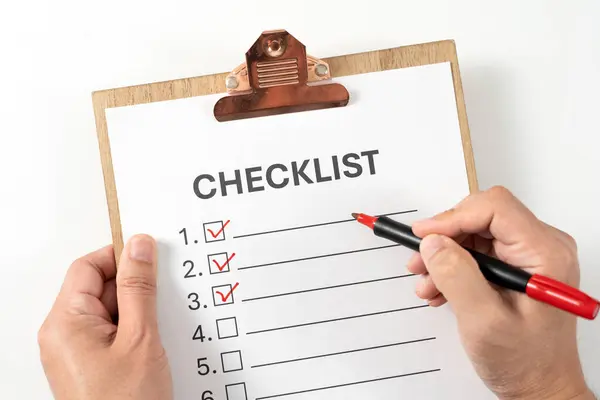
(138, 285)
(559, 251)
(49, 341)
(568, 256)
(77, 264)
(571, 242)
(500, 193)
(42, 335)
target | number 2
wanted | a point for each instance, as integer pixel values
(189, 273)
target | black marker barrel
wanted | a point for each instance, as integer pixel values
(387, 228)
(494, 270)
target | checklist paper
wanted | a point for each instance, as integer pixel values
(267, 288)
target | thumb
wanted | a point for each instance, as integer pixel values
(457, 276)
(136, 287)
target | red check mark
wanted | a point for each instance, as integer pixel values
(216, 235)
(221, 267)
(225, 297)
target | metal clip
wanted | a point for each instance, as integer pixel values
(278, 77)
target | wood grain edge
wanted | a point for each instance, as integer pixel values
(463, 122)
(346, 65)
(110, 186)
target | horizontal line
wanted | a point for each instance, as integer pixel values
(327, 287)
(344, 352)
(316, 257)
(282, 62)
(278, 78)
(337, 319)
(316, 225)
(348, 384)
(277, 74)
(268, 85)
(276, 68)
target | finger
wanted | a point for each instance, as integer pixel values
(109, 297)
(426, 289)
(88, 274)
(495, 212)
(136, 287)
(477, 243)
(416, 265)
(456, 274)
(437, 301)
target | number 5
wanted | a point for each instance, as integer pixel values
(203, 368)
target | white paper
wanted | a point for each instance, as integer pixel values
(313, 315)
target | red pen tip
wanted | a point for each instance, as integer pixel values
(365, 219)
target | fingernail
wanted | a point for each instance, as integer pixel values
(141, 248)
(430, 245)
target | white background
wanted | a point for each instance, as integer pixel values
(530, 74)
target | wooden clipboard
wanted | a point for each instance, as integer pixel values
(352, 64)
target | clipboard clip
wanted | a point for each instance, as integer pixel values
(278, 78)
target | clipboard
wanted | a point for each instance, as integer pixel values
(345, 65)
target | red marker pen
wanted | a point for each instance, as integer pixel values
(536, 286)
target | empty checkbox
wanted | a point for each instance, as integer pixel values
(236, 391)
(227, 328)
(214, 231)
(220, 262)
(222, 295)
(232, 361)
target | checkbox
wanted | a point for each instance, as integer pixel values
(219, 263)
(227, 328)
(222, 295)
(214, 231)
(236, 391)
(232, 361)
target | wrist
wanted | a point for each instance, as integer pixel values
(575, 392)
(569, 385)
(586, 395)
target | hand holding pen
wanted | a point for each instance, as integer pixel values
(504, 331)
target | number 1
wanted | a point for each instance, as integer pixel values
(184, 232)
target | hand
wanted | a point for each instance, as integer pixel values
(85, 354)
(521, 348)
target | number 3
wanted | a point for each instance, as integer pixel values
(195, 302)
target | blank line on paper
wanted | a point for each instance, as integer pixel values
(328, 287)
(337, 319)
(345, 352)
(317, 225)
(316, 257)
(348, 384)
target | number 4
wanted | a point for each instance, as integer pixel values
(198, 334)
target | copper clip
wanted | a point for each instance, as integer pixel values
(277, 78)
